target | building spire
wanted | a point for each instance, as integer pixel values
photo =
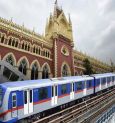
(55, 9)
(56, 2)
(70, 20)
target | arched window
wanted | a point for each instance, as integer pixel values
(10, 60)
(34, 49)
(76, 73)
(34, 72)
(45, 73)
(16, 44)
(13, 42)
(23, 45)
(0, 36)
(2, 39)
(26, 47)
(43, 53)
(65, 70)
(10, 41)
(23, 67)
(48, 54)
(39, 52)
(29, 47)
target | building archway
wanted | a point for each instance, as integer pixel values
(45, 71)
(81, 73)
(10, 58)
(35, 67)
(23, 65)
(76, 73)
(65, 70)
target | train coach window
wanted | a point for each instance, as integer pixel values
(79, 85)
(97, 82)
(113, 79)
(89, 83)
(108, 79)
(103, 80)
(43, 93)
(64, 89)
(25, 97)
(55, 90)
(30, 96)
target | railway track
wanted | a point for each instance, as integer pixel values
(68, 114)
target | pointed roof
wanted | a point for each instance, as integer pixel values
(70, 19)
(58, 23)
(57, 10)
(56, 2)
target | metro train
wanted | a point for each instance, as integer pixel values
(24, 101)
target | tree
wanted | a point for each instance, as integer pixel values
(112, 66)
(88, 67)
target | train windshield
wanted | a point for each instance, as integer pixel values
(1, 96)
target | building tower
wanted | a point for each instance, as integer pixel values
(59, 31)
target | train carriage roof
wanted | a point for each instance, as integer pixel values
(103, 75)
(29, 84)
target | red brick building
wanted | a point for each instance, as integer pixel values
(46, 56)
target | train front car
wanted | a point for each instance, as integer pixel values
(2, 103)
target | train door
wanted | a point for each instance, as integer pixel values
(14, 105)
(28, 101)
(85, 88)
(54, 95)
(71, 91)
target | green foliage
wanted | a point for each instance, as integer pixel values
(88, 67)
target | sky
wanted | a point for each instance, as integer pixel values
(93, 22)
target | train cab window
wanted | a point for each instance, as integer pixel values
(43, 93)
(79, 85)
(64, 89)
(13, 100)
(103, 80)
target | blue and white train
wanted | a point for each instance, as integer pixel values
(22, 100)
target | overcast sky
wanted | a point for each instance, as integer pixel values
(93, 21)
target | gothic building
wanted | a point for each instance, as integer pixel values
(46, 56)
